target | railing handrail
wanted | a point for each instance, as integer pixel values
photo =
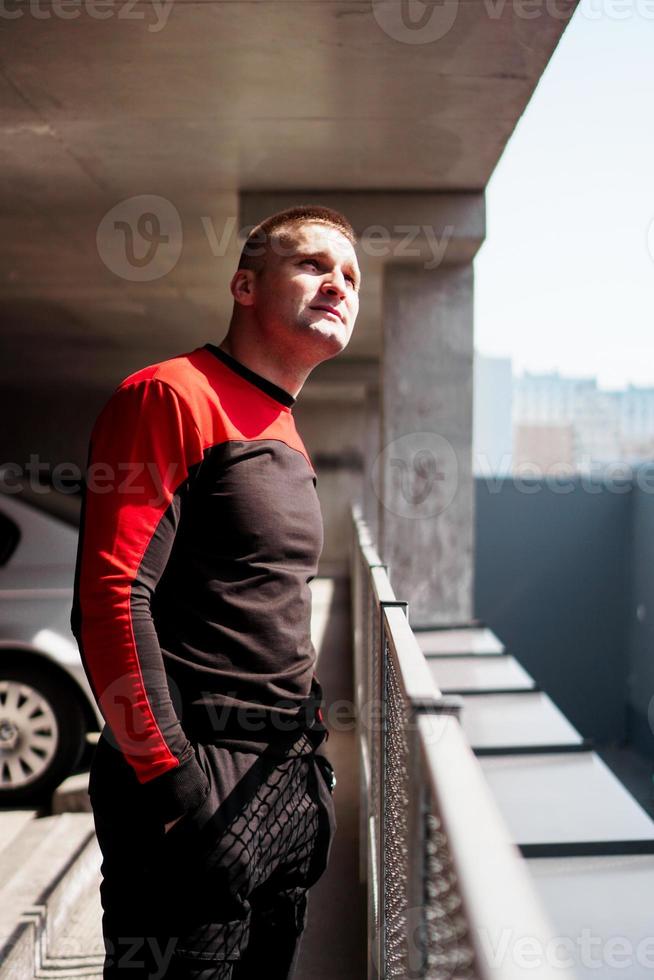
(490, 879)
(381, 585)
(418, 681)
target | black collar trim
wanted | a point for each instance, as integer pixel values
(270, 388)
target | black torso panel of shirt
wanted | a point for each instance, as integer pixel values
(233, 607)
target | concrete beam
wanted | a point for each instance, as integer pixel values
(426, 228)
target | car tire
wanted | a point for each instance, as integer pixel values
(42, 734)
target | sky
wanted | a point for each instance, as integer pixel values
(565, 278)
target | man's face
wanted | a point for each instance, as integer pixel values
(309, 286)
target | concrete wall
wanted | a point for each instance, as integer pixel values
(640, 678)
(553, 580)
(54, 423)
(334, 434)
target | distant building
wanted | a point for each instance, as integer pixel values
(546, 421)
(492, 415)
(597, 430)
(543, 449)
(608, 426)
(551, 398)
(637, 423)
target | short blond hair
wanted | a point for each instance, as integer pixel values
(277, 226)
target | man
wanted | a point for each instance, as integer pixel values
(201, 530)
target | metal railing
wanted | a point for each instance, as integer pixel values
(449, 895)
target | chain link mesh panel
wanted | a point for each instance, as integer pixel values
(449, 952)
(395, 841)
(374, 700)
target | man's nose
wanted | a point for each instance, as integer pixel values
(335, 286)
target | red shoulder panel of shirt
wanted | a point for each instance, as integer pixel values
(224, 405)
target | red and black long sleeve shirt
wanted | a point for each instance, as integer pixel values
(200, 531)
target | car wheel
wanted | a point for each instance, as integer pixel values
(41, 734)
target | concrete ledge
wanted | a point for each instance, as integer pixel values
(393, 226)
(72, 796)
(34, 872)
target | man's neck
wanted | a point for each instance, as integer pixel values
(265, 367)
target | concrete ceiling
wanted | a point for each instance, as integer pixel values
(196, 101)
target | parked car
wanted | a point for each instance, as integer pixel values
(46, 704)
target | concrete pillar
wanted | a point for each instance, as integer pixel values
(424, 474)
(372, 431)
(421, 245)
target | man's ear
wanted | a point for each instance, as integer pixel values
(242, 286)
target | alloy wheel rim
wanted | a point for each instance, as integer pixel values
(28, 734)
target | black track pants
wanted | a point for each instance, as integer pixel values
(223, 894)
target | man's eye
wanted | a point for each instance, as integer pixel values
(310, 262)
